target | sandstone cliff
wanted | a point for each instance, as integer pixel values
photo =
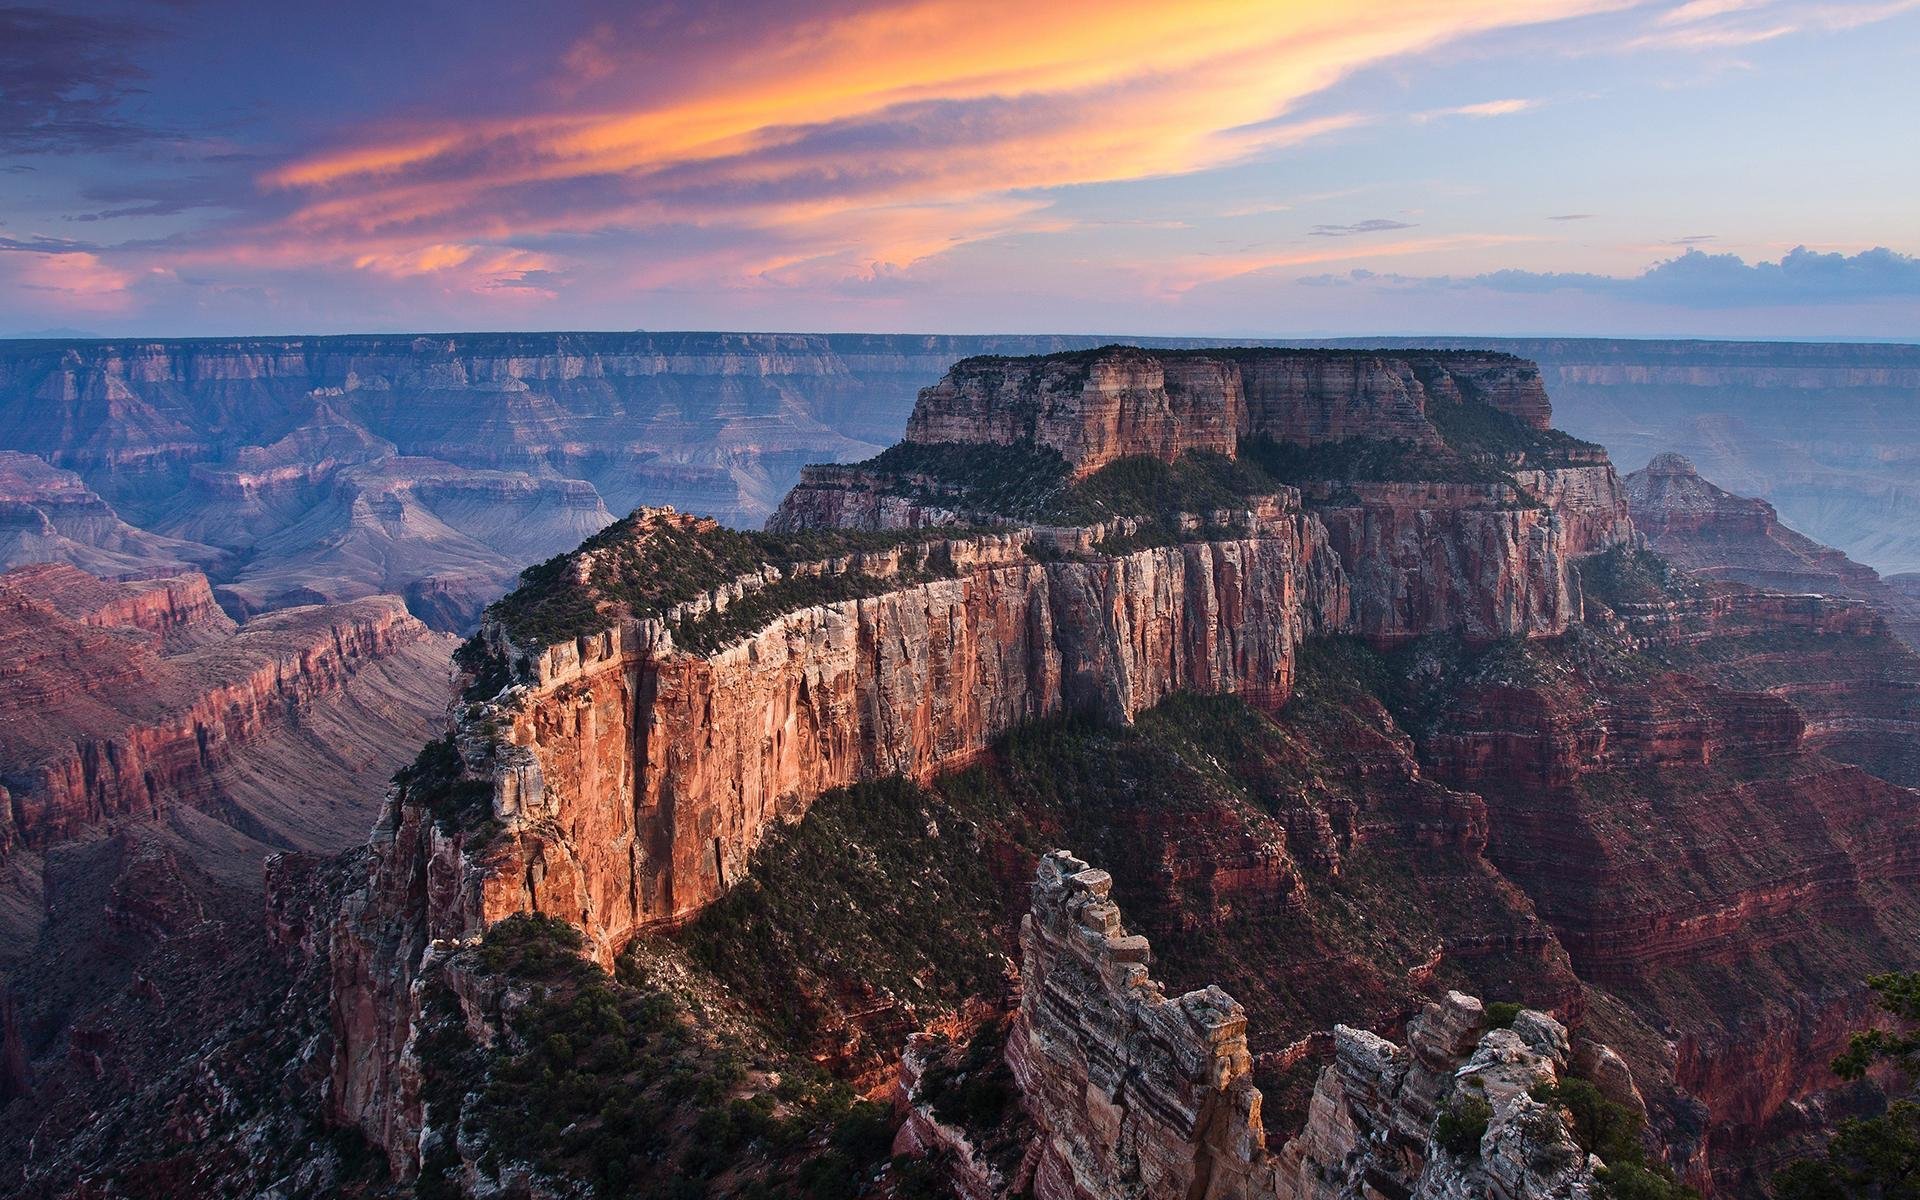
(1097, 406)
(1471, 523)
(624, 778)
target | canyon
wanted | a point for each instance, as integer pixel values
(623, 784)
(1356, 678)
(153, 754)
(302, 470)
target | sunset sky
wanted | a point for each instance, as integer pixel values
(1711, 167)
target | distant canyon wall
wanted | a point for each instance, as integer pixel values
(212, 454)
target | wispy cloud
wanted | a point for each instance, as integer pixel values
(1486, 108)
(1375, 225)
(932, 107)
(65, 80)
(1731, 24)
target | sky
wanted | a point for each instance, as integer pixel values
(1716, 168)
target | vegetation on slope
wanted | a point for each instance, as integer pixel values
(1481, 446)
(1626, 575)
(652, 561)
(1613, 1132)
(434, 780)
(623, 1082)
(891, 903)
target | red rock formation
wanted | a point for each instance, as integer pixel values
(120, 698)
(632, 780)
(1487, 560)
(178, 610)
(1697, 857)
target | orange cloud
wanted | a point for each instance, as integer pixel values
(74, 282)
(866, 141)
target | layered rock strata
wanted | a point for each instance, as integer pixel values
(1135, 1093)
(122, 698)
(51, 515)
(1484, 559)
(631, 780)
(1675, 819)
(1097, 406)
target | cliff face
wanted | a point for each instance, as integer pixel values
(1426, 549)
(1097, 406)
(622, 779)
(631, 778)
(153, 755)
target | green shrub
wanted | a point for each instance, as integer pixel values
(1628, 1181)
(648, 562)
(1500, 1014)
(1627, 575)
(435, 781)
(1461, 1125)
(1600, 1125)
(978, 1091)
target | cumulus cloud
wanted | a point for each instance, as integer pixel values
(1700, 280)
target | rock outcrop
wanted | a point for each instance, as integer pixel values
(630, 780)
(1135, 1093)
(1487, 559)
